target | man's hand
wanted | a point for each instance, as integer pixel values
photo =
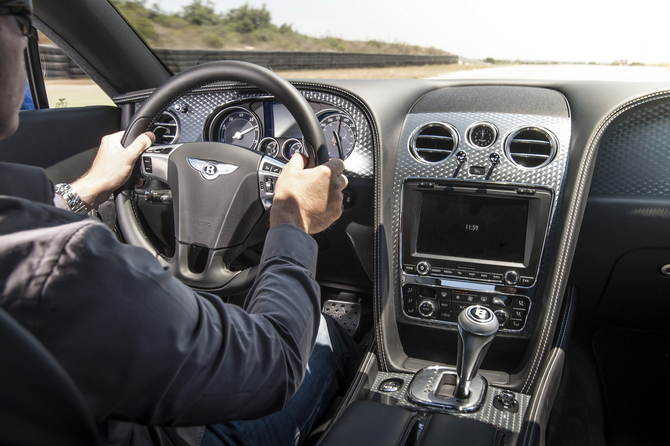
(111, 168)
(310, 199)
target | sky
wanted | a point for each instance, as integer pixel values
(599, 31)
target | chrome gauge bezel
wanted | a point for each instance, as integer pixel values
(285, 147)
(216, 123)
(268, 140)
(324, 114)
(474, 126)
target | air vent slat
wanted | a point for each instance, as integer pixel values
(531, 141)
(436, 137)
(166, 129)
(434, 142)
(531, 147)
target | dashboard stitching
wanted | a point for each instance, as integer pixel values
(584, 169)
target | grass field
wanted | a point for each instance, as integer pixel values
(83, 92)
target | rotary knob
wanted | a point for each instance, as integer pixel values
(423, 268)
(427, 307)
(511, 277)
(502, 316)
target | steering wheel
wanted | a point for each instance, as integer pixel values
(220, 191)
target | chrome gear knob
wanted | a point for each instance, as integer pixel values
(477, 327)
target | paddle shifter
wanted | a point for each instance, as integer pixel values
(477, 326)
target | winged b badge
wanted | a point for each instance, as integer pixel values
(210, 170)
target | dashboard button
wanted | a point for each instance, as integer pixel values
(459, 273)
(427, 307)
(495, 277)
(347, 198)
(485, 276)
(472, 275)
(408, 290)
(423, 268)
(477, 170)
(427, 292)
(447, 271)
(503, 301)
(521, 303)
(526, 281)
(434, 270)
(444, 305)
(459, 306)
(502, 316)
(519, 314)
(409, 268)
(444, 294)
(484, 299)
(515, 324)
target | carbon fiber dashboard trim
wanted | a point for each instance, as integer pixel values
(509, 422)
(641, 138)
(202, 102)
(506, 172)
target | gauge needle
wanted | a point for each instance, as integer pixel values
(338, 143)
(239, 135)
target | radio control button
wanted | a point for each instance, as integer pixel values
(511, 277)
(427, 307)
(502, 317)
(472, 275)
(423, 268)
(495, 277)
(526, 281)
(459, 273)
(409, 268)
(485, 276)
(447, 271)
(521, 303)
(434, 270)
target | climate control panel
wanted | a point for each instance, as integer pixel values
(444, 304)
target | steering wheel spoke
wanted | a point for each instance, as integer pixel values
(268, 173)
(219, 193)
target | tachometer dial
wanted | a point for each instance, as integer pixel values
(238, 127)
(340, 132)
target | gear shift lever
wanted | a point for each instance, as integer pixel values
(477, 326)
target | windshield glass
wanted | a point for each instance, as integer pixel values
(521, 39)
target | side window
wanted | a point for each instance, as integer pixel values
(66, 84)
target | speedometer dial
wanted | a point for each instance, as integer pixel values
(340, 132)
(238, 127)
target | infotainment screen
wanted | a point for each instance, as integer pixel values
(472, 227)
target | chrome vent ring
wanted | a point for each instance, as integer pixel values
(166, 128)
(433, 142)
(531, 147)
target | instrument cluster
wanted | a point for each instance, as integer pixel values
(266, 125)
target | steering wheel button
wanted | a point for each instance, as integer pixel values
(275, 169)
(267, 167)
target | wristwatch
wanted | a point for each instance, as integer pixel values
(71, 198)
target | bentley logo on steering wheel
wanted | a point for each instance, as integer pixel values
(210, 170)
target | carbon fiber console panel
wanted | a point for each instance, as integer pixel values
(509, 422)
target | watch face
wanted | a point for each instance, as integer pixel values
(483, 135)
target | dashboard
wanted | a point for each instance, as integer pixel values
(253, 120)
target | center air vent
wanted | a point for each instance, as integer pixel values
(531, 147)
(166, 128)
(434, 142)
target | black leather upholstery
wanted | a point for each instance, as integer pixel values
(367, 423)
(39, 403)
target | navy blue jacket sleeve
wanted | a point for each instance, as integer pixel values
(143, 347)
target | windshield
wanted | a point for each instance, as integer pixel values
(521, 39)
